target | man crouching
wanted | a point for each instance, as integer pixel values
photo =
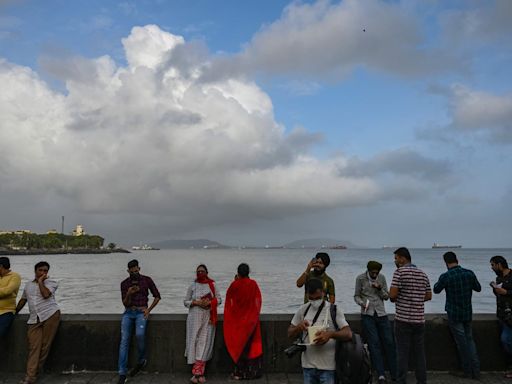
(314, 320)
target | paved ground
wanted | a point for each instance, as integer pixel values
(155, 378)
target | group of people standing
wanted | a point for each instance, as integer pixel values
(44, 313)
(242, 331)
(409, 290)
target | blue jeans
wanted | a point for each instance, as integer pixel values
(405, 335)
(318, 376)
(132, 317)
(506, 338)
(376, 329)
(5, 323)
(463, 335)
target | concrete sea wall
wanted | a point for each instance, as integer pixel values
(90, 342)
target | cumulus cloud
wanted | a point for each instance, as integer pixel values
(477, 111)
(152, 138)
(483, 23)
(326, 40)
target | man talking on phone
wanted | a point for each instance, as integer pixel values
(134, 293)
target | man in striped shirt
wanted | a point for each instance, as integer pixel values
(409, 290)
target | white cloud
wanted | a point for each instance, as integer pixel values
(325, 40)
(151, 138)
(478, 111)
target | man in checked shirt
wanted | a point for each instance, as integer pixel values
(459, 284)
(134, 293)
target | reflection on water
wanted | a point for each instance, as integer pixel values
(90, 283)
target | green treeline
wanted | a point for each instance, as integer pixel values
(49, 241)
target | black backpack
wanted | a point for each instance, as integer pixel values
(353, 364)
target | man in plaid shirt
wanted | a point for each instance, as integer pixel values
(459, 284)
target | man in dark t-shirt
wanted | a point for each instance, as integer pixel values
(316, 270)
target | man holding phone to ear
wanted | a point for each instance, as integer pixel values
(134, 293)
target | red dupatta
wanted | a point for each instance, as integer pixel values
(242, 319)
(213, 302)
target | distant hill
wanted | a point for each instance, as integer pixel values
(319, 243)
(187, 244)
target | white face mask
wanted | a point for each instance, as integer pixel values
(315, 304)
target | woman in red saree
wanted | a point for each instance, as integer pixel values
(242, 333)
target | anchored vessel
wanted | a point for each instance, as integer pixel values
(437, 245)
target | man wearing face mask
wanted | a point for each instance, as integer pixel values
(316, 270)
(502, 289)
(370, 292)
(318, 360)
(134, 293)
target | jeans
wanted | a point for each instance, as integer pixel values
(463, 335)
(318, 376)
(506, 338)
(405, 333)
(132, 317)
(5, 323)
(376, 329)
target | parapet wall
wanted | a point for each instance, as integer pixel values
(90, 342)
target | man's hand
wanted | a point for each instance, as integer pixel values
(303, 325)
(376, 285)
(146, 313)
(133, 289)
(42, 278)
(500, 291)
(322, 337)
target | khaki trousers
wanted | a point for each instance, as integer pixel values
(40, 337)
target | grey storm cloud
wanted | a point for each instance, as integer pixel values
(328, 40)
(151, 139)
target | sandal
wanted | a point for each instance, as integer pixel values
(202, 379)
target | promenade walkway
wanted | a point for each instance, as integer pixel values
(155, 378)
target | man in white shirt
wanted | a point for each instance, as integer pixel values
(43, 321)
(318, 360)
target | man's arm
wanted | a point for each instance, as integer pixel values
(428, 290)
(304, 277)
(343, 334)
(440, 285)
(11, 287)
(295, 330)
(428, 295)
(476, 284)
(156, 295)
(127, 295)
(357, 292)
(383, 291)
(20, 305)
(395, 284)
(45, 292)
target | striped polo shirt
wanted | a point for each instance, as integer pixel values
(412, 284)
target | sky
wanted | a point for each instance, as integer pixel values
(258, 122)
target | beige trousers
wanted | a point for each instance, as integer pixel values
(40, 337)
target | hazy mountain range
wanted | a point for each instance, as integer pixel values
(205, 243)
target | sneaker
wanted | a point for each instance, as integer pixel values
(140, 365)
(122, 379)
(381, 380)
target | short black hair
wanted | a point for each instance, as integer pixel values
(314, 285)
(41, 264)
(133, 263)
(4, 262)
(403, 252)
(450, 257)
(499, 260)
(324, 257)
(202, 265)
(243, 270)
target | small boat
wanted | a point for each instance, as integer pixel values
(437, 245)
(144, 247)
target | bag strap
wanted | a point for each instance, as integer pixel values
(333, 316)
(318, 312)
